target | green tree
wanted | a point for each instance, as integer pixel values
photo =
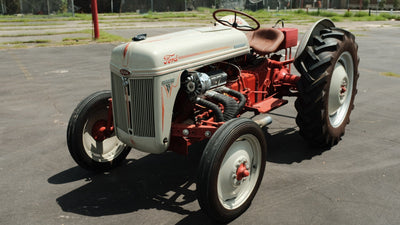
(12, 6)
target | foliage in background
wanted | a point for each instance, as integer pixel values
(204, 14)
(36, 7)
(12, 7)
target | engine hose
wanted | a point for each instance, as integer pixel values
(217, 111)
(230, 104)
(238, 95)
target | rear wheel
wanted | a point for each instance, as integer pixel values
(328, 85)
(90, 144)
(231, 169)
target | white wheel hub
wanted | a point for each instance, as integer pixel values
(239, 171)
(340, 89)
(100, 151)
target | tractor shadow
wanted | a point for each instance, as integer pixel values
(287, 147)
(164, 182)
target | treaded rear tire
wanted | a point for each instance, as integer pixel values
(330, 49)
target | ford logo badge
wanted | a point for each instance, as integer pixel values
(124, 72)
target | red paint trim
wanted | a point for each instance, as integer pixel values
(169, 93)
(125, 55)
(162, 109)
(203, 52)
(126, 49)
(132, 142)
(155, 40)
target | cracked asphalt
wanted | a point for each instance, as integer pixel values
(355, 182)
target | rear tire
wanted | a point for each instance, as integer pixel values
(225, 190)
(328, 85)
(89, 151)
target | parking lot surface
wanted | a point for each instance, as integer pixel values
(355, 182)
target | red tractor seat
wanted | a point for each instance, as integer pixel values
(265, 40)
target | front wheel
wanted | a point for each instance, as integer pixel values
(90, 143)
(231, 169)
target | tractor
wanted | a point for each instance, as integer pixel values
(171, 91)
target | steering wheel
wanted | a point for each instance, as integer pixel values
(234, 23)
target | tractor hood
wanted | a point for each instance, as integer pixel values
(178, 51)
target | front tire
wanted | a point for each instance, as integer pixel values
(328, 85)
(231, 169)
(89, 147)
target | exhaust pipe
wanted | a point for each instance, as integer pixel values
(267, 120)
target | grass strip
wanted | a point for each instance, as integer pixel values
(42, 34)
(27, 42)
(33, 25)
(105, 37)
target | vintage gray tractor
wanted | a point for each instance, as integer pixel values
(171, 91)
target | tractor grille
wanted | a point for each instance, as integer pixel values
(133, 105)
(142, 107)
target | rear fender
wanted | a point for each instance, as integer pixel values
(308, 36)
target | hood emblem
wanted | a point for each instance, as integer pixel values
(124, 72)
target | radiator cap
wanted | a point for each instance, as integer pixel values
(139, 37)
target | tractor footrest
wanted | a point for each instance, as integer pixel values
(269, 104)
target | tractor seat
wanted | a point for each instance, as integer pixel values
(265, 40)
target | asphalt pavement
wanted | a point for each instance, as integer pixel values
(355, 182)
